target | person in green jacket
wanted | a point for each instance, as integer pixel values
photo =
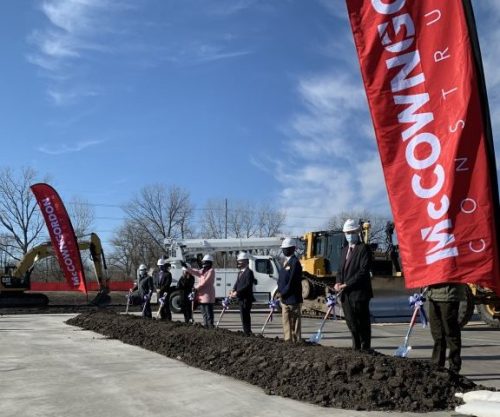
(444, 301)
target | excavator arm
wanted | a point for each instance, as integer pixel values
(17, 279)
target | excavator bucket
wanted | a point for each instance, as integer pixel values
(102, 299)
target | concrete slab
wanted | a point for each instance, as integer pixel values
(51, 369)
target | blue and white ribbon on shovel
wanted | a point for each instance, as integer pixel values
(273, 306)
(162, 301)
(331, 301)
(225, 305)
(192, 295)
(226, 302)
(417, 301)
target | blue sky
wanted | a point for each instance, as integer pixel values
(239, 99)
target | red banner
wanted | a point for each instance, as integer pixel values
(62, 235)
(428, 104)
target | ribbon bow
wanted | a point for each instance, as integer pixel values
(417, 302)
(273, 306)
(331, 301)
(225, 302)
(191, 295)
(162, 299)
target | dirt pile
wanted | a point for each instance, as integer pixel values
(327, 376)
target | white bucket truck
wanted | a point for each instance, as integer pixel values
(263, 253)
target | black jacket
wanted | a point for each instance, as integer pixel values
(290, 282)
(244, 285)
(186, 284)
(356, 273)
(164, 281)
(146, 285)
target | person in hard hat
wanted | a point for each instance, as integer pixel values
(205, 290)
(141, 293)
(186, 284)
(290, 289)
(354, 283)
(243, 291)
(164, 283)
(444, 302)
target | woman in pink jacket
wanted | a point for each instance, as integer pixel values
(205, 290)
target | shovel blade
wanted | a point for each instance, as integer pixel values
(402, 351)
(316, 338)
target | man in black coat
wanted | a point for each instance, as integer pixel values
(164, 283)
(243, 291)
(290, 289)
(353, 279)
(142, 291)
(186, 284)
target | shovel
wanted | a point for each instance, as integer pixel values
(225, 305)
(146, 302)
(128, 301)
(330, 302)
(192, 298)
(162, 304)
(404, 349)
(273, 305)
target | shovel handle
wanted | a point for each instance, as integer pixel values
(267, 321)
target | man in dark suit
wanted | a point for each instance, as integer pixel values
(353, 279)
(243, 291)
(290, 288)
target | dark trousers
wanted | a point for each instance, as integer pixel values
(445, 330)
(187, 309)
(207, 311)
(246, 319)
(357, 317)
(146, 310)
(165, 312)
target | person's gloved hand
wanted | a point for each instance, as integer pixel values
(184, 264)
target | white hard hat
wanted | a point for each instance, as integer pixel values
(288, 242)
(208, 258)
(243, 256)
(142, 267)
(350, 225)
(161, 262)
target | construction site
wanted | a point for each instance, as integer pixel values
(283, 209)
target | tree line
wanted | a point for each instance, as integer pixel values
(154, 213)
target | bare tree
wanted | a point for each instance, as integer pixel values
(133, 245)
(82, 216)
(213, 220)
(378, 223)
(20, 219)
(271, 221)
(160, 212)
(244, 220)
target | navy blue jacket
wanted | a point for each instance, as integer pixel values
(290, 282)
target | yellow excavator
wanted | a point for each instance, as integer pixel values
(16, 280)
(321, 259)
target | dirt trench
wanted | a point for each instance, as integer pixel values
(326, 376)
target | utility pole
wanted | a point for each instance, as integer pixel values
(225, 215)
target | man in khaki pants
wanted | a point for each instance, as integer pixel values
(290, 288)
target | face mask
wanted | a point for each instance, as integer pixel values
(351, 238)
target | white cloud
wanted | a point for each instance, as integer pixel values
(199, 53)
(65, 148)
(332, 165)
(73, 30)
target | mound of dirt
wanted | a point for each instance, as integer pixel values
(327, 376)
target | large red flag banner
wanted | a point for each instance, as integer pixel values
(423, 80)
(61, 234)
